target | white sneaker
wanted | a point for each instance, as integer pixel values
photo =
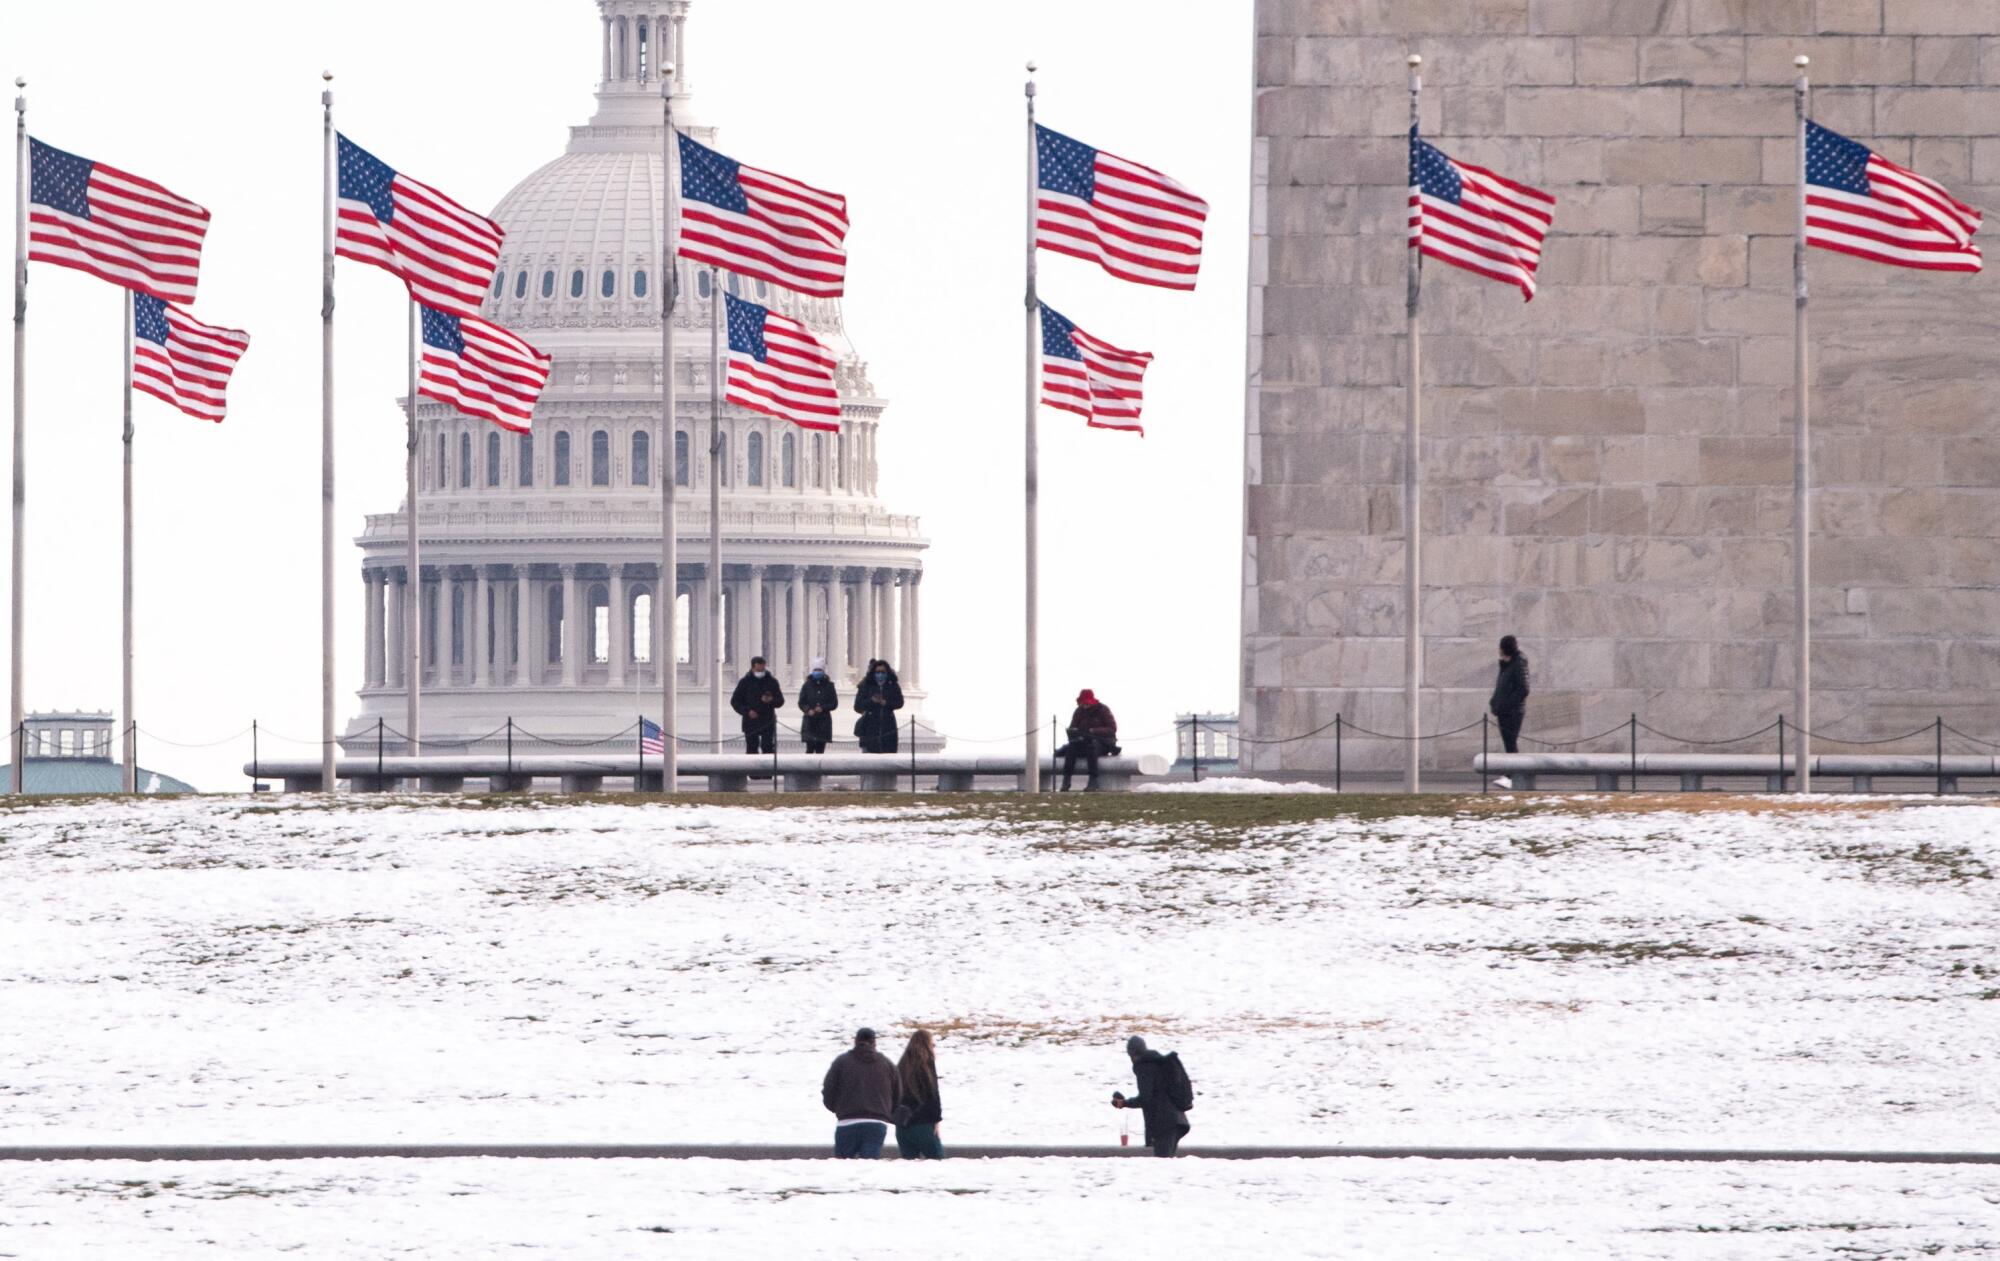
(1501, 781)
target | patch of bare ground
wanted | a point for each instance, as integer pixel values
(1008, 1031)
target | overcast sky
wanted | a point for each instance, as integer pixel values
(912, 108)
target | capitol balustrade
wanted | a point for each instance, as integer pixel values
(818, 526)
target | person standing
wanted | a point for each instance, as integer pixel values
(759, 696)
(1165, 1095)
(1510, 698)
(817, 701)
(877, 700)
(1093, 733)
(861, 1090)
(921, 1111)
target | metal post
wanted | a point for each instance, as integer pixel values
(510, 748)
(1939, 730)
(413, 637)
(1194, 743)
(1781, 753)
(255, 774)
(378, 752)
(17, 670)
(1412, 505)
(1485, 772)
(913, 756)
(1802, 449)
(129, 754)
(332, 182)
(715, 509)
(1336, 753)
(1032, 781)
(1632, 741)
(667, 598)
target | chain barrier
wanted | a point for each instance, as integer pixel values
(1974, 739)
(1766, 729)
(1619, 730)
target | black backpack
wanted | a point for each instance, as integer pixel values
(1174, 1081)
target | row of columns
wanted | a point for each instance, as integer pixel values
(621, 44)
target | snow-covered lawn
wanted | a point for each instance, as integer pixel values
(476, 1210)
(226, 970)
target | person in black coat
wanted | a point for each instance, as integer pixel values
(1166, 1125)
(759, 696)
(1510, 694)
(1093, 733)
(817, 701)
(877, 699)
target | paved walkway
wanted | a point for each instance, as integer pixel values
(662, 1151)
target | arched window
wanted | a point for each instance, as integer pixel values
(444, 472)
(642, 627)
(464, 460)
(753, 451)
(681, 458)
(600, 458)
(527, 458)
(549, 284)
(762, 289)
(521, 285)
(460, 598)
(499, 283)
(639, 283)
(600, 623)
(576, 283)
(561, 477)
(642, 451)
(493, 457)
(788, 458)
(683, 609)
(723, 471)
(609, 285)
(645, 51)
(732, 285)
(557, 627)
(841, 452)
(702, 284)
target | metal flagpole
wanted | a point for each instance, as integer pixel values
(715, 509)
(129, 753)
(1031, 778)
(326, 450)
(666, 599)
(413, 669)
(1413, 613)
(19, 578)
(1802, 452)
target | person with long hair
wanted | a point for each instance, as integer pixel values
(920, 1111)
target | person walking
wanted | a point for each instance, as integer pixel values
(1165, 1095)
(877, 699)
(759, 696)
(920, 1112)
(1510, 698)
(817, 701)
(1093, 733)
(861, 1090)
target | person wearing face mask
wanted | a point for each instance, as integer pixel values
(817, 701)
(759, 696)
(877, 700)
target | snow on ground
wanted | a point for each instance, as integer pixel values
(474, 1210)
(1230, 784)
(206, 970)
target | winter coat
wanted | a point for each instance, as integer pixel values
(1094, 722)
(1162, 1117)
(924, 1100)
(765, 695)
(877, 704)
(818, 693)
(1510, 690)
(861, 1086)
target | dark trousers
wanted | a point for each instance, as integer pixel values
(815, 746)
(1510, 728)
(1085, 748)
(860, 1141)
(760, 741)
(919, 1142)
(1169, 1143)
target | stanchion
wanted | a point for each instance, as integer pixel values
(1336, 753)
(1194, 743)
(1781, 753)
(1632, 741)
(1484, 752)
(639, 776)
(510, 752)
(1940, 755)
(774, 752)
(913, 752)
(378, 752)
(254, 775)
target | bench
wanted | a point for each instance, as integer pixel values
(1692, 769)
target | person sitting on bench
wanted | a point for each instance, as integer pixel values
(1093, 733)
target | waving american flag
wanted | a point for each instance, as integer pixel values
(651, 738)
(778, 368)
(1470, 217)
(481, 369)
(758, 224)
(445, 253)
(1090, 376)
(1129, 219)
(180, 360)
(1858, 202)
(118, 227)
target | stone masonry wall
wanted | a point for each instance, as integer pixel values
(1609, 467)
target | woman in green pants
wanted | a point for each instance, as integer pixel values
(920, 1110)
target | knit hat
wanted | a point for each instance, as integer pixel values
(1135, 1045)
(819, 663)
(1086, 697)
(864, 1034)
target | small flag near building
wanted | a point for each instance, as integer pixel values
(481, 369)
(1470, 217)
(761, 225)
(1858, 202)
(182, 361)
(1090, 376)
(117, 227)
(651, 738)
(778, 368)
(1129, 219)
(445, 253)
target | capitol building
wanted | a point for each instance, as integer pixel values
(540, 585)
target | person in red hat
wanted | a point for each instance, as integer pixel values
(1093, 733)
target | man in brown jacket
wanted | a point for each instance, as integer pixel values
(861, 1090)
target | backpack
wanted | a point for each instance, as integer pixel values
(1174, 1082)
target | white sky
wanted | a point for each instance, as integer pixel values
(912, 108)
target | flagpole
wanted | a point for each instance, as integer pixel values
(1031, 777)
(715, 508)
(413, 587)
(666, 597)
(129, 752)
(1802, 451)
(326, 750)
(17, 670)
(1413, 650)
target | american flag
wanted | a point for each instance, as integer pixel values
(1859, 202)
(1090, 376)
(651, 738)
(180, 360)
(481, 369)
(1469, 217)
(776, 367)
(762, 225)
(118, 227)
(445, 253)
(1129, 219)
